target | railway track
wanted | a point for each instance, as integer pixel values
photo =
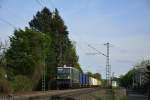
(50, 95)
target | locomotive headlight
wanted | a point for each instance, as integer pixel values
(68, 77)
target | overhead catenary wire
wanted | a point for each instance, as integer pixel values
(39, 3)
(96, 50)
(42, 4)
(108, 67)
(8, 23)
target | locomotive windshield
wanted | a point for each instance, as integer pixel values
(63, 73)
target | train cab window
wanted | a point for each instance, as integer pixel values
(60, 70)
(63, 71)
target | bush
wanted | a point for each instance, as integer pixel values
(21, 83)
(124, 98)
(5, 86)
(2, 73)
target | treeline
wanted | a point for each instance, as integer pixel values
(45, 43)
(137, 78)
(95, 75)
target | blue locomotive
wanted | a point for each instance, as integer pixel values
(70, 77)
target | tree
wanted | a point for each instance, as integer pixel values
(2, 73)
(144, 66)
(63, 50)
(89, 74)
(22, 83)
(45, 43)
(42, 21)
(127, 79)
(27, 54)
(97, 76)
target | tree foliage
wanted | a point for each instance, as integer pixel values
(4, 83)
(44, 43)
(2, 73)
(27, 54)
(89, 74)
(141, 68)
(22, 83)
(26, 51)
(127, 79)
(145, 64)
(97, 76)
(64, 52)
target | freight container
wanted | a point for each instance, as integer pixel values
(84, 80)
(87, 80)
(91, 81)
(94, 81)
(98, 82)
(81, 80)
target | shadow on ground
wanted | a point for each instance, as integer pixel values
(73, 98)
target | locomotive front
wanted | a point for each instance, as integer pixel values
(63, 77)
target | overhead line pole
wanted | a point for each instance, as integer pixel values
(108, 67)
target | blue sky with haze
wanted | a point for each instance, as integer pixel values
(123, 23)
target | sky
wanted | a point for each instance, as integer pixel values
(125, 24)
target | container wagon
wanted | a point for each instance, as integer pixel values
(93, 82)
(70, 77)
(84, 80)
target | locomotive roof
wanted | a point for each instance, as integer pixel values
(67, 67)
(64, 67)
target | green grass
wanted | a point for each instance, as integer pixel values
(146, 94)
(123, 98)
